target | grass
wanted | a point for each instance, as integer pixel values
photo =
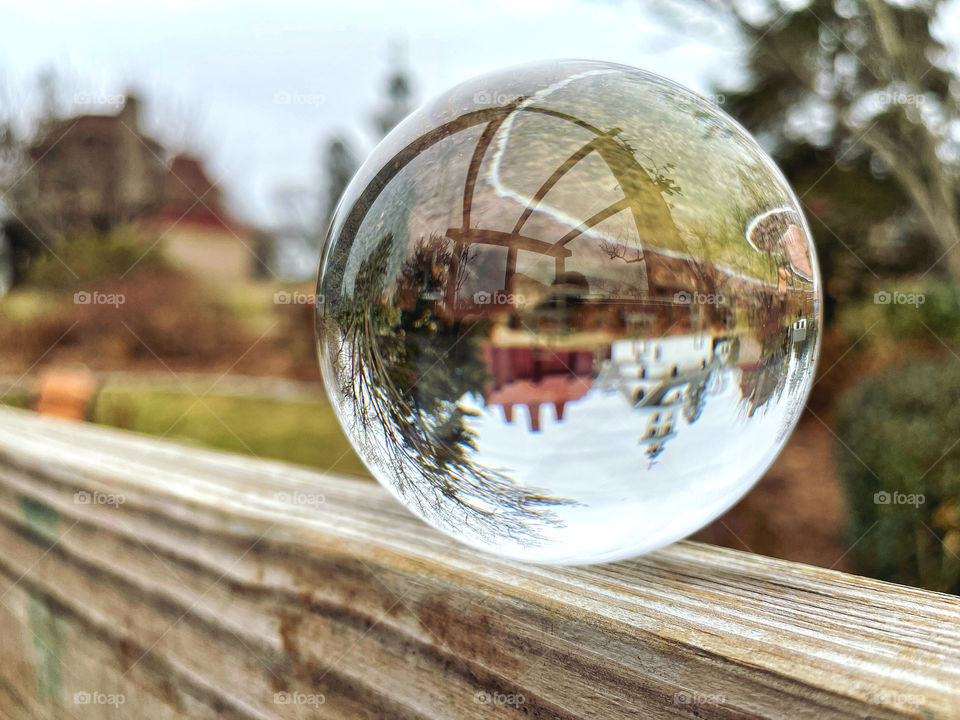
(305, 432)
(28, 304)
(16, 396)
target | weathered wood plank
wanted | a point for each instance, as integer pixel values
(221, 587)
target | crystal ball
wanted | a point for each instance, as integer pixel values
(568, 312)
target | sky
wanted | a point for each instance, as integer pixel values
(257, 89)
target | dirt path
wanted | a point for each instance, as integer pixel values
(797, 511)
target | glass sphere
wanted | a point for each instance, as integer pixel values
(568, 312)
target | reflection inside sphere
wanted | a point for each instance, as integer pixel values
(569, 312)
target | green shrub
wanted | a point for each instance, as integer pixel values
(934, 313)
(79, 260)
(899, 458)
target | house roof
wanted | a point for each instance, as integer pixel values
(795, 242)
(105, 126)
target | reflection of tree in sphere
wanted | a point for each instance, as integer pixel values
(570, 312)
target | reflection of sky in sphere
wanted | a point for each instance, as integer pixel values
(692, 481)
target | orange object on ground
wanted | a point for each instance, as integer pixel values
(65, 392)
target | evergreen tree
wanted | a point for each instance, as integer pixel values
(340, 164)
(399, 100)
(854, 101)
(339, 159)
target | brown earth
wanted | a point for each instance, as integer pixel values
(797, 511)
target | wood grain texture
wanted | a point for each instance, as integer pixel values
(197, 584)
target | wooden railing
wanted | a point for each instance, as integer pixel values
(144, 579)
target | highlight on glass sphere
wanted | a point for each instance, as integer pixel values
(569, 312)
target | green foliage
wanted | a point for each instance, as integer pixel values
(340, 164)
(17, 396)
(306, 433)
(900, 462)
(872, 184)
(79, 260)
(931, 316)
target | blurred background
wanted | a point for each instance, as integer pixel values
(166, 178)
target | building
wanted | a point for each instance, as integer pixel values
(94, 172)
(199, 233)
(534, 377)
(190, 194)
(665, 379)
(779, 232)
